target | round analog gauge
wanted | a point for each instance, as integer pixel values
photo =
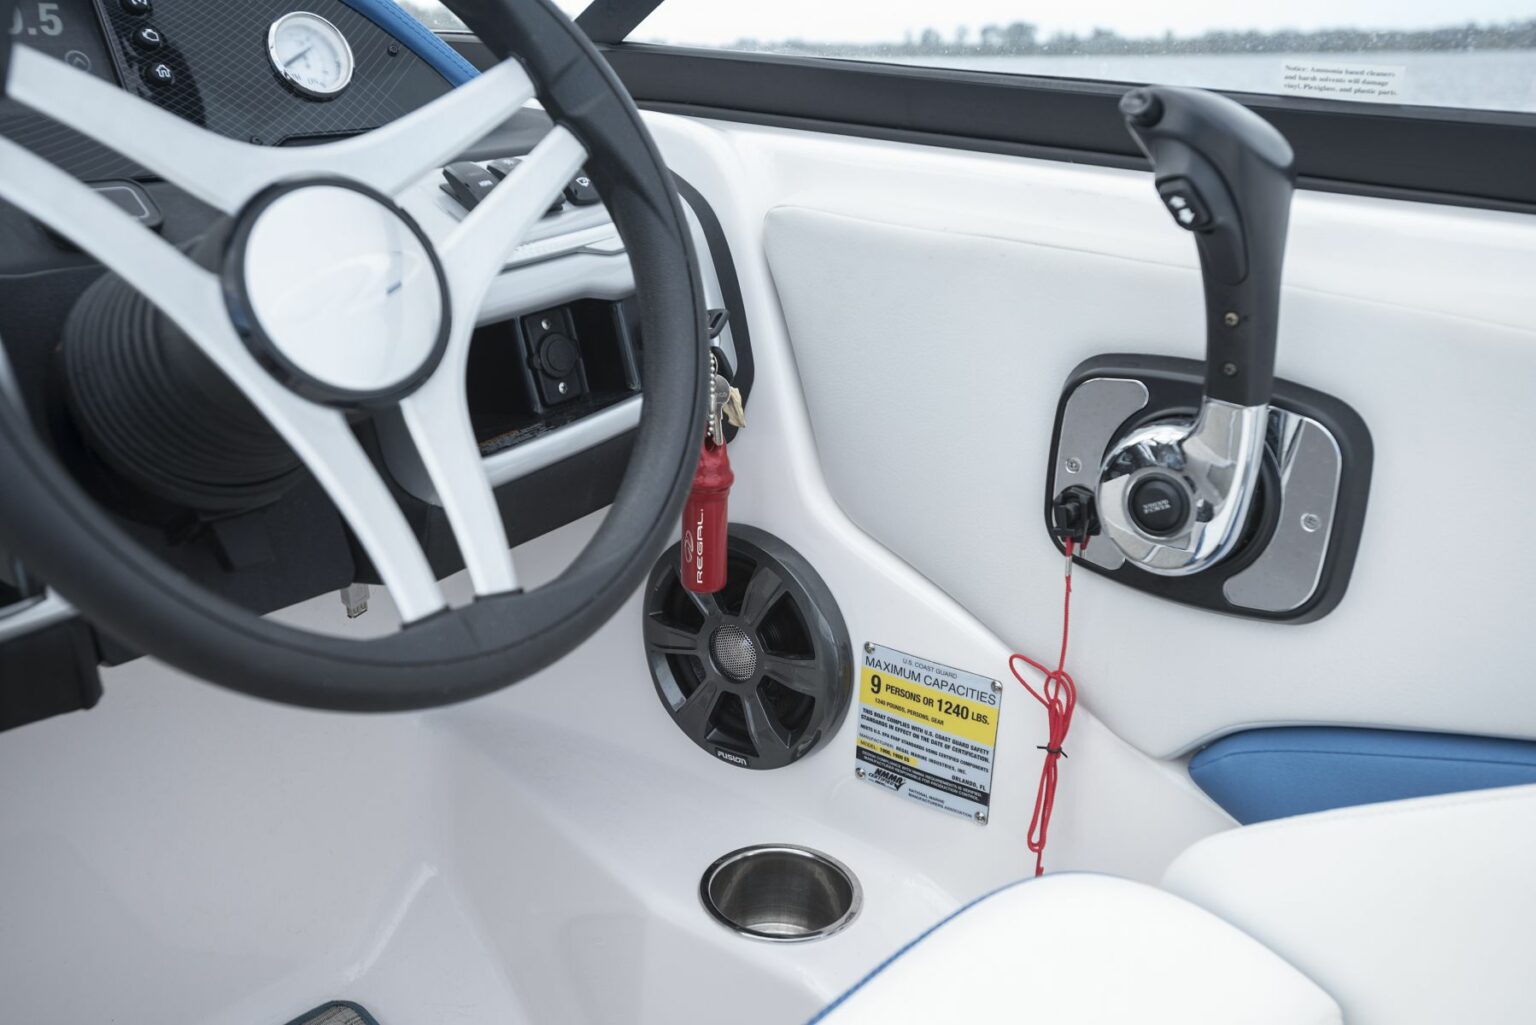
(310, 54)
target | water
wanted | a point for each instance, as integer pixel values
(1476, 79)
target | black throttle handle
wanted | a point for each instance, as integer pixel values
(1226, 175)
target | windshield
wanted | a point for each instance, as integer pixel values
(1472, 53)
(435, 16)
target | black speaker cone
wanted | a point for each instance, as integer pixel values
(760, 674)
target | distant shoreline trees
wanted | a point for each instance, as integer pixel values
(1022, 39)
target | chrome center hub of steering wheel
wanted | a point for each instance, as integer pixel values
(337, 292)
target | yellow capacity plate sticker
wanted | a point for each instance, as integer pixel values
(927, 731)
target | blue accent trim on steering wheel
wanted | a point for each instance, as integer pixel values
(422, 41)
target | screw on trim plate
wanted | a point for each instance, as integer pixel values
(1310, 522)
(1230, 369)
(858, 772)
(981, 817)
(1230, 319)
(997, 687)
(1074, 465)
(869, 649)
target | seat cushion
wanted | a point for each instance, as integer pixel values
(1409, 913)
(1077, 949)
(1259, 775)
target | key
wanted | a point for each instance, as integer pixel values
(734, 411)
(719, 396)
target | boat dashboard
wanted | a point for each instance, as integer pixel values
(554, 380)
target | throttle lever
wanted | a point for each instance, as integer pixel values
(1226, 175)
(1174, 496)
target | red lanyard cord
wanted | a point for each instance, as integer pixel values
(1059, 696)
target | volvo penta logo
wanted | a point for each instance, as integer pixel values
(1161, 505)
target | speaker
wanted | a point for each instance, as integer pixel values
(759, 674)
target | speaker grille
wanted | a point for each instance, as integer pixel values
(734, 651)
(759, 674)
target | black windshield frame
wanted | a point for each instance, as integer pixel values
(1454, 156)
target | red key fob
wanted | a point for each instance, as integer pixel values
(706, 522)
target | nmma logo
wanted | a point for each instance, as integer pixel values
(887, 778)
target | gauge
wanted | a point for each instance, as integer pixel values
(310, 54)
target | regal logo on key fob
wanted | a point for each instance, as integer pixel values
(706, 522)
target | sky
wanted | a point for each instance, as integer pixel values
(718, 22)
(724, 21)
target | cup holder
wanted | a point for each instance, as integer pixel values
(781, 893)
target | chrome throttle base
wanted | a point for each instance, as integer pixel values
(1175, 497)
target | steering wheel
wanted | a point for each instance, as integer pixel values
(327, 214)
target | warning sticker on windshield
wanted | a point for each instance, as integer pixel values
(927, 732)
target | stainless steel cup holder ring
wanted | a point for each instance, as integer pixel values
(781, 893)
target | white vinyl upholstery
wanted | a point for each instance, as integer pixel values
(1084, 950)
(1410, 913)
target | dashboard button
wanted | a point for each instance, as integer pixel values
(503, 167)
(580, 191)
(468, 182)
(558, 355)
(148, 39)
(1159, 506)
(137, 6)
(159, 74)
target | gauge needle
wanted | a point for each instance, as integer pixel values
(290, 61)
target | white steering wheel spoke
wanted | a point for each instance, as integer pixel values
(193, 299)
(437, 417)
(342, 323)
(478, 247)
(437, 414)
(226, 173)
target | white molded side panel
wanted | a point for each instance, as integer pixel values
(936, 302)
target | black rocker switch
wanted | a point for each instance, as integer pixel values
(503, 167)
(468, 182)
(1185, 204)
(580, 192)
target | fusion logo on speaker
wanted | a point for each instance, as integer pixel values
(730, 756)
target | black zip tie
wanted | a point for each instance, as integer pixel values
(1052, 750)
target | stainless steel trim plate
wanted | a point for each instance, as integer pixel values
(1298, 547)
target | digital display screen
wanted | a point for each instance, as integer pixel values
(66, 30)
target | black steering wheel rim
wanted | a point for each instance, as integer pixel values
(47, 519)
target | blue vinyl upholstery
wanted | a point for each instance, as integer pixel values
(1273, 773)
(421, 40)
